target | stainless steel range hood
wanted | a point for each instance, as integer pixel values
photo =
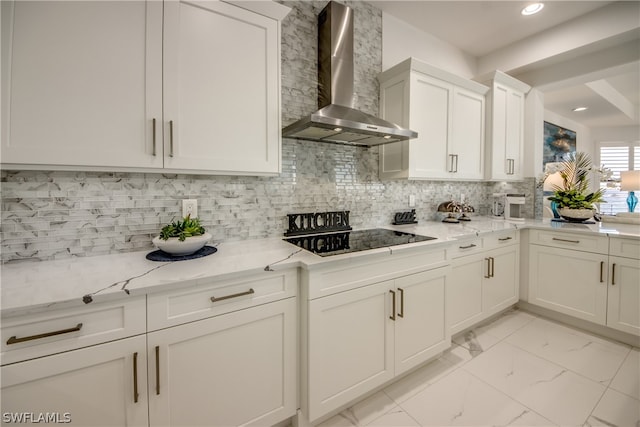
(336, 120)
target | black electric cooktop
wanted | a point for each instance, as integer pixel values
(343, 242)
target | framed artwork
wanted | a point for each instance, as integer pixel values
(559, 143)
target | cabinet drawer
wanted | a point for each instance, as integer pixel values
(465, 247)
(628, 248)
(218, 297)
(29, 336)
(577, 241)
(501, 238)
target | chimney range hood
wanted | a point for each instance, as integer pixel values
(336, 120)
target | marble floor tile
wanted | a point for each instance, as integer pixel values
(397, 417)
(460, 399)
(507, 323)
(418, 380)
(554, 392)
(627, 380)
(615, 410)
(362, 412)
(588, 355)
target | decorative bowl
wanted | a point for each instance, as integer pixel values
(576, 215)
(175, 247)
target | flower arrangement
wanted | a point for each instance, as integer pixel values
(574, 192)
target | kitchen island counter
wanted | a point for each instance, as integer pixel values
(40, 285)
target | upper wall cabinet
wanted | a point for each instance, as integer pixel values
(447, 111)
(505, 128)
(185, 86)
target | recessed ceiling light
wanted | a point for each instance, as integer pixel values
(580, 109)
(532, 8)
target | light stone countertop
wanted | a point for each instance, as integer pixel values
(28, 287)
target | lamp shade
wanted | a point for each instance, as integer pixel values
(554, 180)
(630, 181)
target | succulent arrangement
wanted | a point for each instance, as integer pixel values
(182, 229)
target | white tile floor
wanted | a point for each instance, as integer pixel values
(519, 370)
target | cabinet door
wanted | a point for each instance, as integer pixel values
(464, 292)
(235, 369)
(466, 147)
(82, 83)
(500, 287)
(568, 281)
(430, 113)
(624, 295)
(350, 346)
(221, 88)
(93, 386)
(507, 133)
(420, 328)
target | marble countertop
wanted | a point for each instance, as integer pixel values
(35, 286)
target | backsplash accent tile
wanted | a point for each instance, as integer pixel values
(52, 214)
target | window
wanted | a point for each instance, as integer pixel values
(617, 156)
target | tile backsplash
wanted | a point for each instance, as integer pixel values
(53, 214)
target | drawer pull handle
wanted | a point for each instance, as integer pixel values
(157, 370)
(249, 292)
(504, 239)
(393, 306)
(468, 246)
(401, 314)
(15, 340)
(135, 377)
(565, 240)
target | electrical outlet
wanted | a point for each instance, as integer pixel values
(190, 208)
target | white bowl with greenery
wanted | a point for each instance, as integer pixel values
(182, 237)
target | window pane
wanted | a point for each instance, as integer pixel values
(617, 159)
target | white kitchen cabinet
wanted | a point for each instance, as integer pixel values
(140, 85)
(222, 87)
(81, 83)
(362, 338)
(447, 111)
(568, 273)
(505, 128)
(235, 369)
(102, 385)
(484, 281)
(623, 302)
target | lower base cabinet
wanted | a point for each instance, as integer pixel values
(481, 285)
(623, 300)
(362, 338)
(231, 370)
(102, 385)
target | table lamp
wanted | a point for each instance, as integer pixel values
(630, 181)
(553, 181)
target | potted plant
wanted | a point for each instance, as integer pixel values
(574, 200)
(182, 237)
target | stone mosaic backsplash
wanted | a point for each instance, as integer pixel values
(51, 214)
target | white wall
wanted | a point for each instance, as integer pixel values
(401, 41)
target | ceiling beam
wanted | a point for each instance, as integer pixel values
(614, 97)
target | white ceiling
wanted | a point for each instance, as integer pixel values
(482, 27)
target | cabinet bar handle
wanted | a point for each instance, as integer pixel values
(401, 314)
(456, 156)
(157, 370)
(170, 138)
(613, 274)
(154, 137)
(135, 377)
(393, 306)
(451, 164)
(493, 266)
(15, 340)
(467, 247)
(565, 240)
(504, 239)
(601, 271)
(249, 292)
(488, 275)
